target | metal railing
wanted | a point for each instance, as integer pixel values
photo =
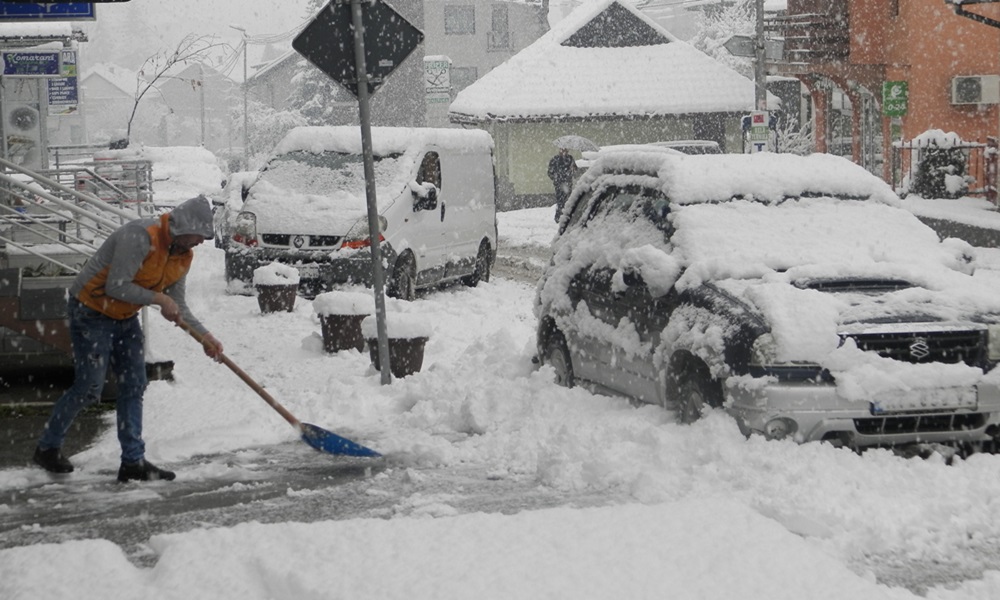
(981, 165)
(57, 225)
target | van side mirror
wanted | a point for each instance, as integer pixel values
(632, 278)
(425, 197)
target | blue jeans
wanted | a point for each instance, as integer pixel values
(99, 342)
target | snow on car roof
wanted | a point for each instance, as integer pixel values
(385, 140)
(765, 176)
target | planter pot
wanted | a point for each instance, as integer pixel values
(276, 298)
(406, 355)
(342, 332)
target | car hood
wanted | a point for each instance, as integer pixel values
(809, 318)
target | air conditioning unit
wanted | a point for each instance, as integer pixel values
(22, 126)
(975, 89)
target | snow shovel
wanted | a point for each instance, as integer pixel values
(315, 436)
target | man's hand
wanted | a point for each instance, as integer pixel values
(168, 308)
(212, 347)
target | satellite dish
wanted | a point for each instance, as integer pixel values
(23, 118)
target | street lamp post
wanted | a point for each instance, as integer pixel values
(246, 131)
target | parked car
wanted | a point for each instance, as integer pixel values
(436, 192)
(793, 292)
(227, 203)
(691, 146)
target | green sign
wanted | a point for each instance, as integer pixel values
(895, 95)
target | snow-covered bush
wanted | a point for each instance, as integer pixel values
(941, 166)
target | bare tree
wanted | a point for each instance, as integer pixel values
(192, 48)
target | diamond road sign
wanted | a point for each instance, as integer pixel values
(328, 42)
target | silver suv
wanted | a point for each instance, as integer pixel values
(791, 291)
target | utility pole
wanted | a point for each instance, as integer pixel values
(246, 131)
(760, 72)
(201, 86)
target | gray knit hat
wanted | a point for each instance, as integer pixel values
(193, 216)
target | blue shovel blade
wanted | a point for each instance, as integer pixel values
(331, 443)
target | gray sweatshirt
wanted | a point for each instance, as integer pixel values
(124, 251)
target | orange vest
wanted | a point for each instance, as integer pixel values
(159, 271)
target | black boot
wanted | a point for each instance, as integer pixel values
(52, 460)
(144, 471)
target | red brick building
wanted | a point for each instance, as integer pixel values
(855, 46)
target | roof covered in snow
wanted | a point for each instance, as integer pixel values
(385, 140)
(605, 59)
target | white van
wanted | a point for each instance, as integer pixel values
(436, 192)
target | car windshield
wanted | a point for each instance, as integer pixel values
(320, 172)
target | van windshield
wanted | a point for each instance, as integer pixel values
(324, 172)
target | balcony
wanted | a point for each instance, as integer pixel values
(813, 37)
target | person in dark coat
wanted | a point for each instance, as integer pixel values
(562, 168)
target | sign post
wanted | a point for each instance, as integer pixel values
(358, 44)
(895, 98)
(760, 131)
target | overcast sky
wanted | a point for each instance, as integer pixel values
(128, 32)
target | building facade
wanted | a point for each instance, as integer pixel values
(949, 65)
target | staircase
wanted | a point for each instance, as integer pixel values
(51, 222)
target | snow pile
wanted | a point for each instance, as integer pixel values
(344, 303)
(275, 274)
(179, 172)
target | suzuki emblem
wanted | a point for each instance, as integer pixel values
(919, 349)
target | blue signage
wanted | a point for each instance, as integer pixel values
(64, 98)
(61, 11)
(30, 64)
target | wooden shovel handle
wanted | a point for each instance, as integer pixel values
(246, 378)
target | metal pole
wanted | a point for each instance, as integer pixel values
(364, 111)
(246, 134)
(760, 74)
(201, 71)
(246, 85)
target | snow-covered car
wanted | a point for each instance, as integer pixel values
(436, 203)
(791, 291)
(228, 203)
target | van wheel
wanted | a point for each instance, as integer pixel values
(482, 272)
(557, 355)
(403, 283)
(696, 391)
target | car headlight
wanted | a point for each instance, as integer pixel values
(359, 236)
(993, 342)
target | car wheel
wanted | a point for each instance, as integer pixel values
(482, 272)
(557, 355)
(696, 391)
(403, 283)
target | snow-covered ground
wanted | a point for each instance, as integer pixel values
(691, 511)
